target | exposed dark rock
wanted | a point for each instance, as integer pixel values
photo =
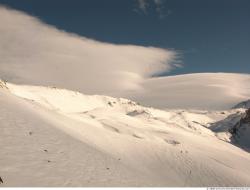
(241, 132)
(172, 142)
(110, 104)
(140, 112)
(244, 120)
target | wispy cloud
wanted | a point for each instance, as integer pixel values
(158, 3)
(143, 6)
(160, 9)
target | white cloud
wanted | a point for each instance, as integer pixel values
(35, 53)
(197, 91)
(32, 52)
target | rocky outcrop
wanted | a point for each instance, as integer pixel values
(241, 131)
(246, 119)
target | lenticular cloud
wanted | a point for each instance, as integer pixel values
(33, 52)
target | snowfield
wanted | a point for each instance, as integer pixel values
(58, 137)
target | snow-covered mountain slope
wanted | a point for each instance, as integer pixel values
(36, 153)
(57, 137)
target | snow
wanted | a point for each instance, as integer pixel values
(35, 153)
(58, 137)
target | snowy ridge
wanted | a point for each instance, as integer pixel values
(97, 109)
(75, 103)
(66, 101)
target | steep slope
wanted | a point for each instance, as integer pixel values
(64, 138)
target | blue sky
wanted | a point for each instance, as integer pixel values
(211, 35)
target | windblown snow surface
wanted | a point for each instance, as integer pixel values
(58, 137)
